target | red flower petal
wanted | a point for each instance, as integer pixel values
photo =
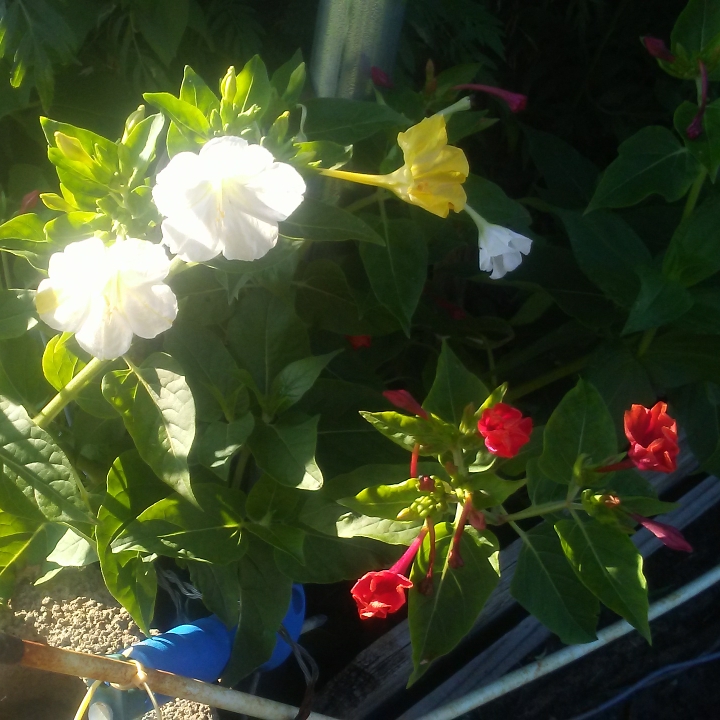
(653, 438)
(380, 593)
(405, 401)
(505, 429)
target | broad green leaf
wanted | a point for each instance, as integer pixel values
(220, 441)
(693, 254)
(17, 313)
(88, 139)
(265, 594)
(20, 544)
(265, 335)
(541, 489)
(494, 205)
(318, 221)
(42, 469)
(579, 425)
(195, 91)
(434, 435)
(661, 300)
(463, 124)
(383, 501)
(131, 488)
(438, 621)
(157, 408)
(547, 587)
(220, 588)
(73, 550)
(182, 113)
(646, 506)
(282, 537)
(397, 272)
(289, 78)
(331, 559)
(14, 502)
(705, 148)
(697, 27)
(175, 527)
(608, 251)
(679, 357)
(23, 227)
(609, 565)
(162, 23)
(321, 154)
(570, 177)
(489, 490)
(285, 450)
(270, 501)
(650, 162)
(253, 85)
(140, 146)
(347, 121)
(454, 388)
(294, 380)
(209, 369)
(74, 226)
(696, 408)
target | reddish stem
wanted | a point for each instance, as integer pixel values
(414, 461)
(622, 465)
(455, 560)
(426, 587)
(403, 564)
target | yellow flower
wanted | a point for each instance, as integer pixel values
(432, 175)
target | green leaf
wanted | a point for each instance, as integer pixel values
(347, 121)
(42, 469)
(210, 371)
(609, 565)
(697, 27)
(282, 537)
(131, 488)
(162, 23)
(265, 335)
(489, 490)
(383, 501)
(318, 221)
(661, 301)
(434, 435)
(294, 380)
(285, 450)
(705, 148)
(220, 588)
(454, 388)
(210, 531)
(696, 408)
(74, 226)
(157, 408)
(321, 153)
(608, 251)
(692, 255)
(397, 272)
(195, 91)
(265, 595)
(140, 146)
(23, 227)
(270, 501)
(253, 85)
(570, 177)
(331, 559)
(461, 125)
(219, 442)
(289, 78)
(20, 544)
(541, 489)
(547, 587)
(650, 162)
(182, 113)
(73, 550)
(494, 205)
(17, 313)
(438, 621)
(579, 425)
(676, 358)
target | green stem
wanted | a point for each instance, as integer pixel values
(535, 510)
(237, 477)
(694, 194)
(364, 202)
(69, 392)
(645, 341)
(383, 217)
(548, 378)
(6, 271)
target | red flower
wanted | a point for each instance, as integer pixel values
(653, 438)
(695, 128)
(668, 535)
(516, 102)
(380, 78)
(381, 592)
(505, 429)
(359, 341)
(405, 401)
(657, 48)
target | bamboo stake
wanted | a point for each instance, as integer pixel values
(13, 650)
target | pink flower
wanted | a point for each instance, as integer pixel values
(359, 341)
(380, 78)
(695, 128)
(653, 438)
(505, 429)
(669, 536)
(516, 102)
(405, 401)
(657, 48)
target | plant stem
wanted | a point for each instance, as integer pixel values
(548, 378)
(69, 392)
(645, 341)
(535, 510)
(694, 194)
(364, 202)
(6, 271)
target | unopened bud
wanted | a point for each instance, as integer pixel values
(228, 86)
(406, 514)
(72, 149)
(29, 201)
(657, 48)
(426, 483)
(430, 79)
(133, 119)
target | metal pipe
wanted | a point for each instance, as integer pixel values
(535, 670)
(13, 650)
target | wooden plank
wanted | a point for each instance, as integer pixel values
(382, 669)
(503, 655)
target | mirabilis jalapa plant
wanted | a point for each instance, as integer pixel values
(199, 400)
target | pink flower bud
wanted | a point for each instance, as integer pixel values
(359, 341)
(380, 78)
(657, 48)
(29, 201)
(516, 102)
(669, 536)
(405, 401)
(695, 128)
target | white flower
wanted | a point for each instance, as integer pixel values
(501, 250)
(105, 294)
(228, 198)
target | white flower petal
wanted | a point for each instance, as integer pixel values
(105, 333)
(150, 310)
(247, 238)
(501, 249)
(138, 261)
(230, 157)
(196, 247)
(180, 184)
(59, 309)
(280, 188)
